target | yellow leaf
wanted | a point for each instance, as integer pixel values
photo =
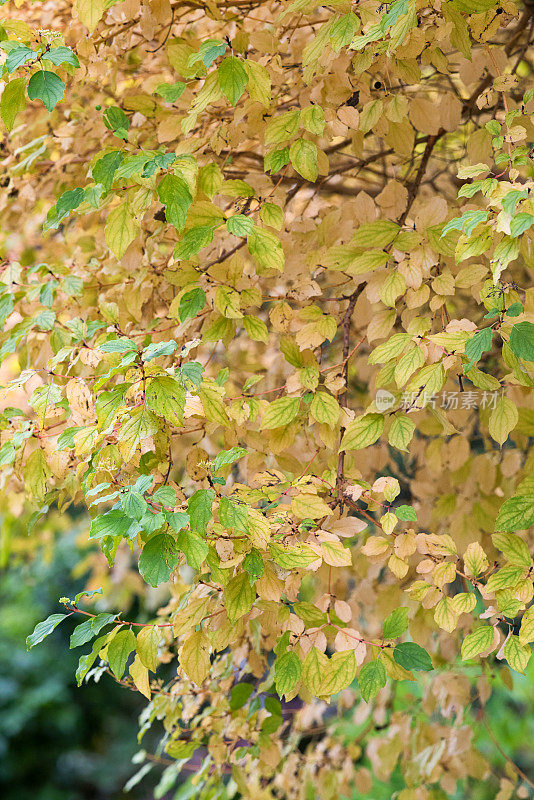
(309, 505)
(475, 560)
(90, 12)
(446, 615)
(339, 673)
(362, 432)
(239, 596)
(139, 674)
(121, 229)
(503, 419)
(335, 554)
(516, 654)
(325, 408)
(147, 644)
(313, 670)
(194, 657)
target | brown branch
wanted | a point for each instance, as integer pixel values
(342, 399)
(414, 187)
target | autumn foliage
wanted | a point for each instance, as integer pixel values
(267, 318)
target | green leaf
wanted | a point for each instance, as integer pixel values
(371, 679)
(62, 55)
(477, 642)
(313, 120)
(239, 225)
(406, 513)
(280, 412)
(520, 223)
(200, 506)
(46, 86)
(44, 629)
(226, 457)
(174, 193)
(239, 695)
(37, 474)
(90, 628)
(112, 523)
(287, 672)
(412, 656)
(194, 547)
(18, 56)
(276, 160)
(165, 495)
(171, 91)
(212, 403)
(254, 566)
(13, 101)
(396, 624)
(515, 309)
(303, 156)
(193, 241)
(86, 594)
(191, 303)
(178, 520)
(192, 370)
(134, 504)
(516, 514)
(157, 349)
(239, 597)
(522, 340)
(119, 649)
(266, 249)
(165, 396)
(362, 432)
(208, 52)
(232, 78)
(117, 121)
(233, 516)
(86, 662)
(390, 349)
(104, 170)
(474, 348)
(526, 633)
(122, 345)
(158, 559)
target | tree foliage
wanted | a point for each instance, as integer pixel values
(266, 316)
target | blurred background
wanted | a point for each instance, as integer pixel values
(57, 741)
(60, 742)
